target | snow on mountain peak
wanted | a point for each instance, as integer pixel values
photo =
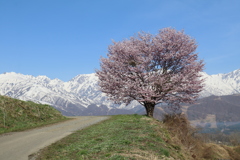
(12, 77)
(43, 78)
(83, 90)
(83, 77)
(222, 84)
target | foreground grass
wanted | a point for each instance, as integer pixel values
(17, 115)
(129, 137)
(120, 137)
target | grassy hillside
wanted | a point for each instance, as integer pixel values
(18, 115)
(137, 137)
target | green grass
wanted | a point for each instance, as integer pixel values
(121, 137)
(17, 115)
(135, 137)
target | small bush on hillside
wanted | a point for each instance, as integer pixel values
(179, 125)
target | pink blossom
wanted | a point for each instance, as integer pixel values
(152, 69)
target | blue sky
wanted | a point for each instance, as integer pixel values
(61, 39)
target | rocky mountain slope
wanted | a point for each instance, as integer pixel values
(81, 95)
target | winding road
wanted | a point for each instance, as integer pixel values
(19, 145)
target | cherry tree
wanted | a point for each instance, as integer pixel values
(152, 69)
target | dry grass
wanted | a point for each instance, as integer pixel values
(184, 135)
(219, 152)
(141, 155)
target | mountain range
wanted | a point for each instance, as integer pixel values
(81, 95)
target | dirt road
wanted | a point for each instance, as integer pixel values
(19, 145)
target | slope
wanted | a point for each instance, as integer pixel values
(137, 137)
(212, 114)
(216, 112)
(18, 115)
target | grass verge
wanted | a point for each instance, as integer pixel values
(121, 137)
(130, 137)
(17, 115)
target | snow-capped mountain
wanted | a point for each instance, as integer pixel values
(221, 84)
(81, 95)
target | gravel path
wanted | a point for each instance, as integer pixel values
(19, 145)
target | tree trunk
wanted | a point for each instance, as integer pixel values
(149, 109)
